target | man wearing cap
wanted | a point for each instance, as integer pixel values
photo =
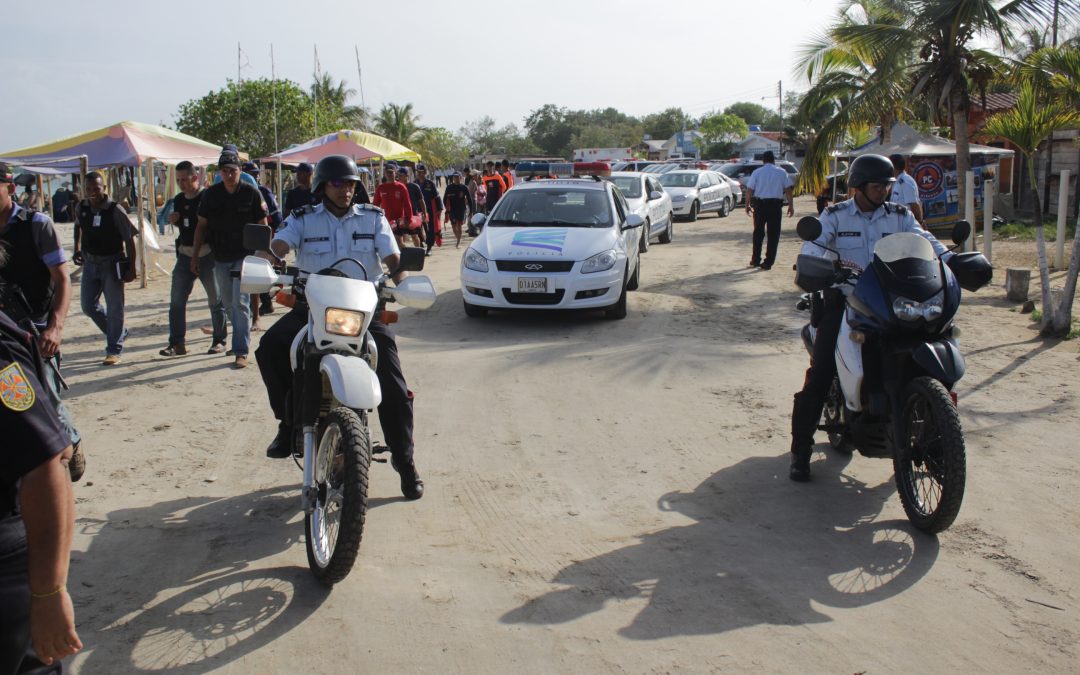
(416, 200)
(507, 175)
(37, 268)
(301, 194)
(393, 197)
(904, 190)
(459, 204)
(433, 205)
(766, 190)
(224, 210)
(105, 247)
(185, 218)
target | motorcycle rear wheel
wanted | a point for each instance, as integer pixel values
(834, 412)
(930, 462)
(335, 526)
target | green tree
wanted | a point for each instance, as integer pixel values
(549, 129)
(663, 125)
(441, 148)
(720, 132)
(399, 123)
(481, 137)
(333, 99)
(751, 113)
(240, 114)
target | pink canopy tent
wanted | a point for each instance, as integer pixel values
(360, 145)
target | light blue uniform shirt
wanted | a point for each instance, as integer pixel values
(320, 238)
(853, 234)
(769, 182)
(904, 190)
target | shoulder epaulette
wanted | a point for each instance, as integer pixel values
(897, 208)
(26, 214)
(301, 211)
(371, 207)
(834, 208)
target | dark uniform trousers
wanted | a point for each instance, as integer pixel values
(396, 409)
(806, 410)
(768, 213)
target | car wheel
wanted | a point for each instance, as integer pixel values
(635, 280)
(725, 208)
(474, 311)
(693, 212)
(643, 247)
(618, 310)
(669, 232)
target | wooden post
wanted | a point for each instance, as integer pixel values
(988, 219)
(969, 208)
(1063, 208)
(148, 180)
(83, 170)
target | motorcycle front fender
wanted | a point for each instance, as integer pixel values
(353, 382)
(940, 360)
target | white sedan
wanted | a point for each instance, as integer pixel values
(554, 244)
(647, 198)
(695, 191)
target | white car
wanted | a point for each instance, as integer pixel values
(736, 188)
(646, 197)
(694, 191)
(554, 244)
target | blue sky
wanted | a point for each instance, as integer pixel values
(76, 66)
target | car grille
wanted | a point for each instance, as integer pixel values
(533, 298)
(545, 265)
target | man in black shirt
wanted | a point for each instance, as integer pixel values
(459, 203)
(301, 194)
(224, 210)
(105, 247)
(37, 514)
(433, 207)
(185, 218)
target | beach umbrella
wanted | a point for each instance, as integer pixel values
(359, 145)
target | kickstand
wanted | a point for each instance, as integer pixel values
(379, 449)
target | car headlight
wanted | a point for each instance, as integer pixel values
(678, 198)
(599, 262)
(474, 261)
(344, 322)
(910, 310)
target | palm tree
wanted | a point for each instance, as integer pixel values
(334, 97)
(399, 123)
(1034, 118)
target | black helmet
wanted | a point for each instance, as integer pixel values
(334, 167)
(870, 169)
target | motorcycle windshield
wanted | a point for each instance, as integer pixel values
(907, 266)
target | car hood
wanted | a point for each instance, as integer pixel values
(559, 243)
(676, 191)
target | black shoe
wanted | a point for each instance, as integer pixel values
(755, 263)
(765, 267)
(800, 466)
(266, 308)
(280, 447)
(411, 485)
(77, 464)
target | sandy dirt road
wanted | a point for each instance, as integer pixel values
(602, 496)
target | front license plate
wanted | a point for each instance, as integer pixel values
(532, 285)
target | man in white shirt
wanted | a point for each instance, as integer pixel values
(766, 190)
(904, 190)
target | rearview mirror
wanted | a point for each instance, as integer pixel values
(808, 228)
(654, 195)
(257, 237)
(633, 220)
(961, 231)
(478, 219)
(412, 259)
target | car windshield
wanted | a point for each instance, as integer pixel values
(684, 180)
(555, 207)
(630, 185)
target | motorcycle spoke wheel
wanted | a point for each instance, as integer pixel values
(930, 462)
(834, 413)
(335, 525)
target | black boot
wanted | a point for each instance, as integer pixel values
(411, 485)
(802, 440)
(281, 446)
(800, 465)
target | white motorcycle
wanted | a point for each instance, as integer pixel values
(335, 388)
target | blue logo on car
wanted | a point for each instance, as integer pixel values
(547, 238)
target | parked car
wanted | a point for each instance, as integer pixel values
(647, 198)
(736, 188)
(633, 165)
(554, 244)
(694, 191)
(741, 171)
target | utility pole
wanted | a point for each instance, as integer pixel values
(780, 98)
(315, 90)
(239, 81)
(360, 77)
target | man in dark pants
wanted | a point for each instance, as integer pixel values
(37, 515)
(852, 228)
(433, 206)
(766, 190)
(321, 236)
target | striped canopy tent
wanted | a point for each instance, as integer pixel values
(360, 145)
(120, 144)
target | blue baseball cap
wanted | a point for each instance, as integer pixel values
(303, 167)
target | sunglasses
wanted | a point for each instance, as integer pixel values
(339, 182)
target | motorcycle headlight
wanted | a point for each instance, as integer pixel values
(344, 322)
(910, 310)
(599, 262)
(474, 261)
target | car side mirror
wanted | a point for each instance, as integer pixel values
(808, 228)
(654, 195)
(478, 219)
(961, 231)
(257, 237)
(411, 260)
(633, 220)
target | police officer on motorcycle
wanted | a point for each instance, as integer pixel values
(851, 228)
(322, 235)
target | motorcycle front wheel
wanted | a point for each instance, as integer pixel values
(335, 526)
(930, 462)
(834, 414)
